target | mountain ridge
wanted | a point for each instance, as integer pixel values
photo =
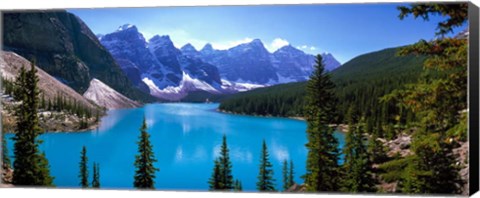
(50, 87)
(75, 57)
(160, 66)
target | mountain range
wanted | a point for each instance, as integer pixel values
(63, 46)
(164, 71)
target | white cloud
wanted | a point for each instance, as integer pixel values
(304, 48)
(276, 44)
(222, 45)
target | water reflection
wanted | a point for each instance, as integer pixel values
(186, 138)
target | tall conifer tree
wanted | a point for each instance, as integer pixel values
(144, 167)
(225, 166)
(30, 166)
(357, 165)
(436, 102)
(83, 174)
(215, 182)
(285, 174)
(266, 182)
(238, 186)
(322, 172)
(96, 176)
(291, 174)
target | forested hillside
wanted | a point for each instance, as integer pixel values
(362, 80)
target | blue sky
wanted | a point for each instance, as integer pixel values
(345, 30)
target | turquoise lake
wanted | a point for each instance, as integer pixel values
(186, 139)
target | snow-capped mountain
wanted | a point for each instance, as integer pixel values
(159, 68)
(249, 62)
(245, 63)
(292, 64)
(252, 63)
(129, 49)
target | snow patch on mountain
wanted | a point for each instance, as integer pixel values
(233, 87)
(174, 93)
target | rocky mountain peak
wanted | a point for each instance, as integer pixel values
(289, 49)
(207, 48)
(188, 48)
(163, 41)
(256, 43)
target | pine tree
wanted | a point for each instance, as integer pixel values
(215, 182)
(44, 171)
(145, 169)
(376, 150)
(433, 168)
(96, 176)
(225, 166)
(322, 172)
(265, 175)
(31, 167)
(83, 174)
(238, 186)
(436, 102)
(357, 165)
(285, 174)
(291, 173)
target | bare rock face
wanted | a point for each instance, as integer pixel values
(104, 96)
(461, 153)
(7, 176)
(50, 87)
(400, 145)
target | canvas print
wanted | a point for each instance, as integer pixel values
(318, 98)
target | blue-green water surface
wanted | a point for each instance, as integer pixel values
(186, 139)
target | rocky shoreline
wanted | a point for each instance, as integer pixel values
(54, 122)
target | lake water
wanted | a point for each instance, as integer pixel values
(186, 139)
